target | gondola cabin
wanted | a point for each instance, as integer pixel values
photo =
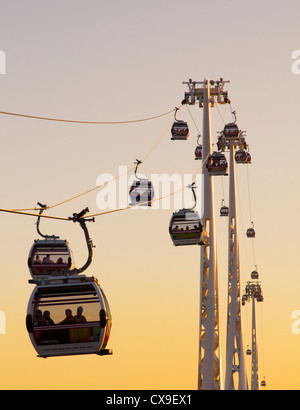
(254, 275)
(180, 130)
(141, 193)
(69, 316)
(242, 157)
(49, 257)
(224, 210)
(198, 152)
(217, 164)
(186, 228)
(250, 233)
(231, 130)
(263, 383)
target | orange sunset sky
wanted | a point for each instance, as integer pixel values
(125, 60)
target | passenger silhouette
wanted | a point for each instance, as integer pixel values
(79, 318)
(37, 260)
(39, 320)
(47, 260)
(46, 316)
(69, 318)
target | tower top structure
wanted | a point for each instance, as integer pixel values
(197, 89)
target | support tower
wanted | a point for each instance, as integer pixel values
(209, 373)
(253, 292)
(235, 375)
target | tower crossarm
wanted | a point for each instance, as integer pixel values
(197, 89)
(226, 142)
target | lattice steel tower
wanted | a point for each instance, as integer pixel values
(209, 373)
(253, 292)
(235, 375)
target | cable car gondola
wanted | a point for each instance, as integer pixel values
(141, 191)
(224, 210)
(242, 157)
(254, 274)
(50, 255)
(198, 150)
(185, 226)
(68, 313)
(217, 164)
(179, 130)
(231, 130)
(69, 316)
(250, 232)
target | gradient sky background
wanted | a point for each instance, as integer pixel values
(123, 60)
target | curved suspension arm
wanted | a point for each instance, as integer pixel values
(43, 208)
(198, 139)
(233, 113)
(137, 163)
(194, 195)
(176, 110)
(82, 221)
